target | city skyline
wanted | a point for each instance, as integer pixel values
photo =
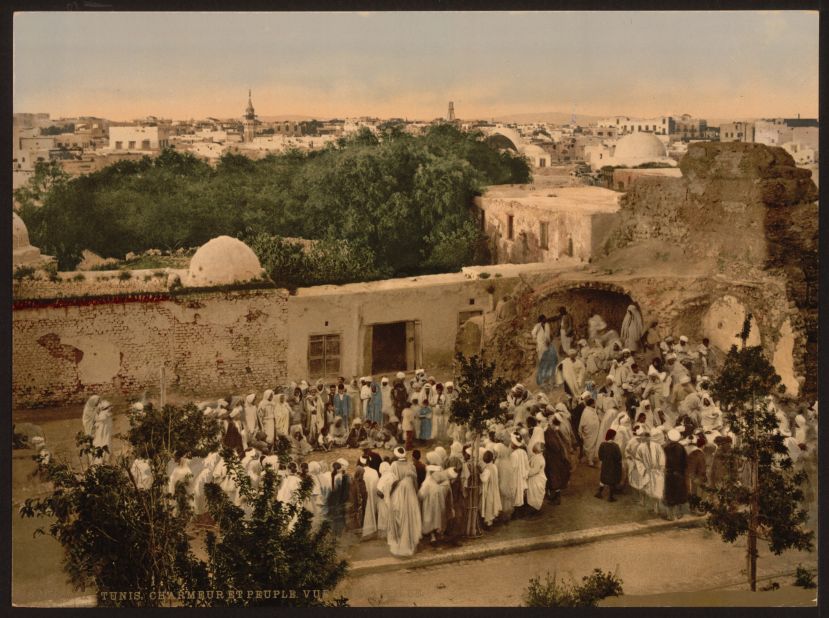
(189, 65)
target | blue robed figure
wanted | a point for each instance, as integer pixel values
(546, 366)
(425, 415)
(374, 410)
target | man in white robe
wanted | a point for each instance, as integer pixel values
(387, 406)
(370, 478)
(541, 335)
(520, 471)
(650, 465)
(102, 437)
(490, 489)
(632, 328)
(589, 433)
(536, 477)
(404, 525)
(90, 409)
(570, 372)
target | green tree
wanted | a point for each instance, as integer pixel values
(764, 501)
(480, 395)
(117, 536)
(47, 175)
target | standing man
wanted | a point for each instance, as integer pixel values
(541, 335)
(565, 329)
(676, 485)
(342, 404)
(611, 472)
(399, 395)
(407, 424)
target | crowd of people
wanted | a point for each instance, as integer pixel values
(657, 432)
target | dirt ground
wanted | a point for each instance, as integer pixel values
(680, 567)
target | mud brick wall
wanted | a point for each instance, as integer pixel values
(211, 343)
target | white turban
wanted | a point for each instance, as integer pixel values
(673, 435)
(585, 395)
(516, 439)
(343, 462)
(400, 452)
(400, 375)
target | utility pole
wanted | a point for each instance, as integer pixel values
(163, 390)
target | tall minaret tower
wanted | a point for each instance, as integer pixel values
(451, 116)
(249, 122)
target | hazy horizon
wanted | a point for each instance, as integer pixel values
(122, 66)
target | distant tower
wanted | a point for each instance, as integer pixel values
(573, 117)
(451, 116)
(249, 122)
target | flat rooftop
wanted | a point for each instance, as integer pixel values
(585, 200)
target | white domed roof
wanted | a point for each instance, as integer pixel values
(222, 261)
(23, 253)
(639, 148)
(20, 234)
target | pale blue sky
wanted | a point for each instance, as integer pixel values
(182, 65)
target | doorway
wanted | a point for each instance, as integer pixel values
(388, 347)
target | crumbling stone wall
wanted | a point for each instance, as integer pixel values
(678, 305)
(749, 207)
(211, 343)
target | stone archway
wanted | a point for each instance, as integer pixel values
(510, 343)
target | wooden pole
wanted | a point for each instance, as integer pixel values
(754, 507)
(163, 394)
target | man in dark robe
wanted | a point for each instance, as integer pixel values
(232, 438)
(374, 459)
(676, 486)
(611, 472)
(399, 396)
(556, 463)
(696, 470)
(420, 467)
(337, 498)
(357, 497)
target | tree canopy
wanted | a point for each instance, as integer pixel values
(405, 200)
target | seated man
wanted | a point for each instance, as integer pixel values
(338, 433)
(357, 435)
(299, 445)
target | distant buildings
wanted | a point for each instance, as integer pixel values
(683, 127)
(798, 136)
(143, 139)
(546, 224)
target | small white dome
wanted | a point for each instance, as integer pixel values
(20, 234)
(222, 261)
(638, 148)
(23, 253)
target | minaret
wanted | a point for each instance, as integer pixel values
(249, 122)
(451, 116)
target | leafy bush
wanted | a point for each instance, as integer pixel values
(125, 275)
(290, 265)
(23, 272)
(554, 593)
(79, 277)
(119, 537)
(805, 578)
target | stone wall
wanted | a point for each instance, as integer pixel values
(211, 343)
(748, 208)
(679, 305)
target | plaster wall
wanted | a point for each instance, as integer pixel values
(209, 343)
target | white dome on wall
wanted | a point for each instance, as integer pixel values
(222, 261)
(639, 148)
(23, 254)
